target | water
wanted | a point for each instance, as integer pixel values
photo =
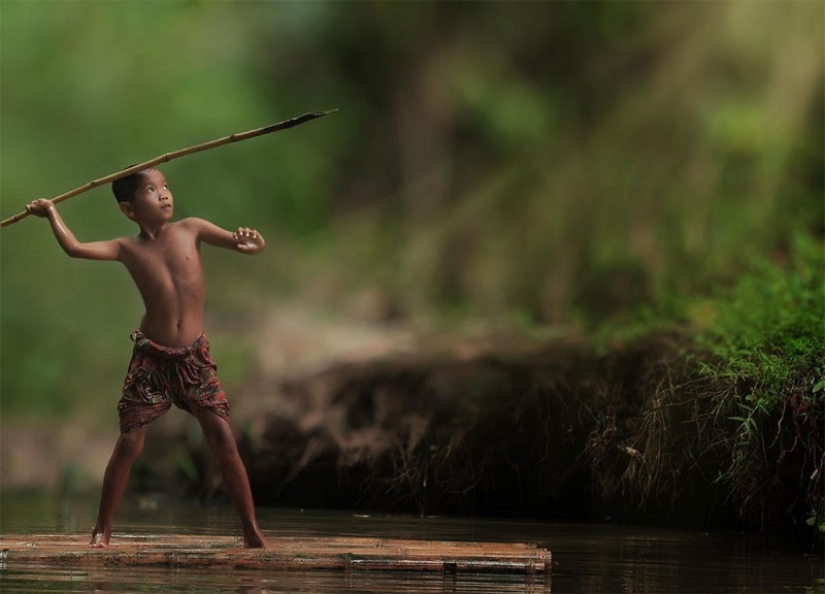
(587, 558)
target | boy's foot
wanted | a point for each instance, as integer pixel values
(254, 540)
(100, 538)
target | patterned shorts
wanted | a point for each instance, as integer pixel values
(161, 376)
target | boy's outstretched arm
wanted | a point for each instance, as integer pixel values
(98, 250)
(244, 240)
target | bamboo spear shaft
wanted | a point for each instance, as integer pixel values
(180, 153)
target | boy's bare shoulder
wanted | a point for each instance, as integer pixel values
(192, 223)
(124, 241)
(200, 227)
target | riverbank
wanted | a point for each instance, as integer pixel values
(562, 431)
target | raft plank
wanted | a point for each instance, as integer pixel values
(285, 552)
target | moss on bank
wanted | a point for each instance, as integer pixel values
(767, 348)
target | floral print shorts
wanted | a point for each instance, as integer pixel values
(161, 376)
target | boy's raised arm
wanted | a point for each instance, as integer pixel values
(244, 240)
(97, 250)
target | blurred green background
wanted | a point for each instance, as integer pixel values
(499, 165)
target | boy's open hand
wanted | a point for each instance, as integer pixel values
(249, 240)
(40, 207)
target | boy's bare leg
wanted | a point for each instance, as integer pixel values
(221, 441)
(127, 449)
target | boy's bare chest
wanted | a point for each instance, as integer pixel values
(175, 256)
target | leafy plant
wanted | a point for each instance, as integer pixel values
(768, 343)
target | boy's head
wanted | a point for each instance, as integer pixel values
(124, 188)
(144, 196)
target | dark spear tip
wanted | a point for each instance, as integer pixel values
(297, 120)
(310, 116)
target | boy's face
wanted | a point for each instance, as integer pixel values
(153, 200)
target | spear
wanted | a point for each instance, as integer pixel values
(290, 123)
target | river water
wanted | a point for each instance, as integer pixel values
(587, 557)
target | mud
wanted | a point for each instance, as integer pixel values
(546, 429)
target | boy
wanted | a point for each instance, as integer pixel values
(170, 362)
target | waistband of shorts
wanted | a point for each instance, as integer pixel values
(145, 343)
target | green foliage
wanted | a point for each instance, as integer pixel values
(768, 343)
(769, 333)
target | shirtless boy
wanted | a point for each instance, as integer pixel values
(170, 363)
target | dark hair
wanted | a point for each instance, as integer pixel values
(124, 188)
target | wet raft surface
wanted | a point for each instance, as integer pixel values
(286, 553)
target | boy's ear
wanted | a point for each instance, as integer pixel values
(126, 208)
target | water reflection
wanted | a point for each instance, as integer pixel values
(587, 558)
(106, 581)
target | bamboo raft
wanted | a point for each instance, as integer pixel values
(284, 553)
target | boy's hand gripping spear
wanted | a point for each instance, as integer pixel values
(180, 153)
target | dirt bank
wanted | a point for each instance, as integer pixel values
(547, 429)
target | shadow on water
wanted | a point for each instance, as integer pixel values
(587, 557)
